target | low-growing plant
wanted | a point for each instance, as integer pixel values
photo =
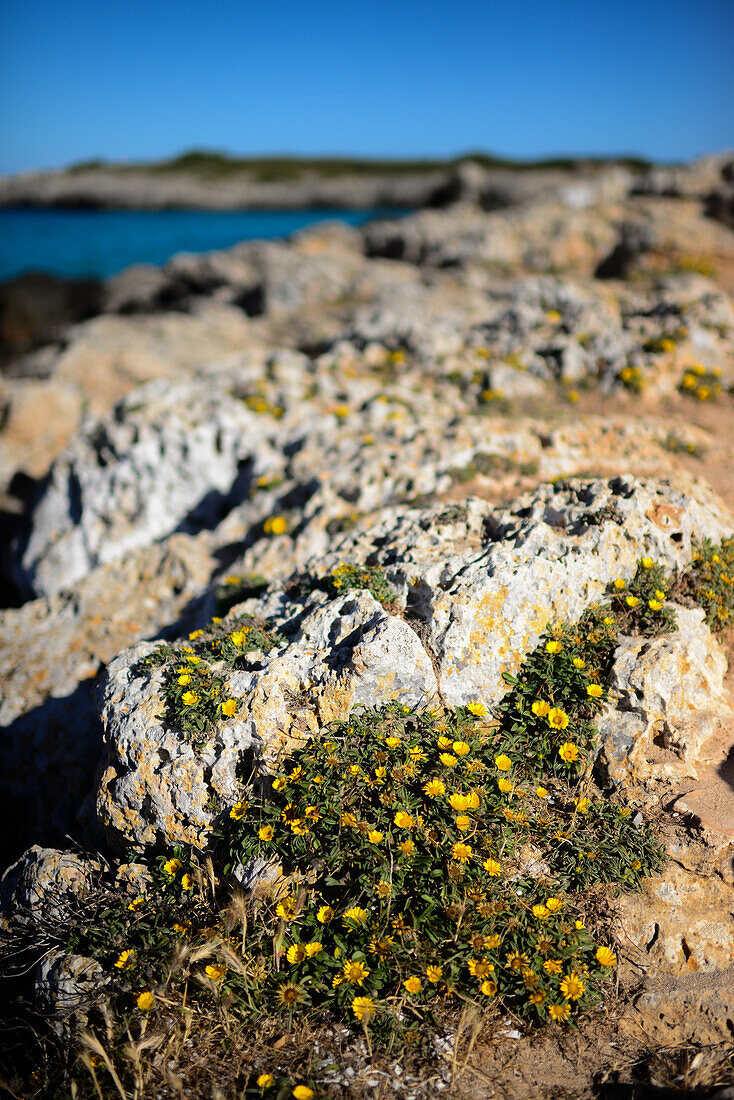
(703, 383)
(195, 673)
(640, 605)
(675, 445)
(632, 379)
(709, 582)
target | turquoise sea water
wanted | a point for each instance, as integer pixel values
(102, 242)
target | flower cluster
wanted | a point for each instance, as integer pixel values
(640, 606)
(403, 837)
(710, 581)
(194, 678)
(700, 382)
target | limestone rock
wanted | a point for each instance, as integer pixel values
(43, 881)
(51, 651)
(157, 787)
(64, 984)
(480, 586)
(679, 922)
(680, 1015)
(169, 458)
(668, 700)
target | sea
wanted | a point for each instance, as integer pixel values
(82, 243)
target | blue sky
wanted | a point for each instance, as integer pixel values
(140, 79)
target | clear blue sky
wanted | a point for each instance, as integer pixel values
(149, 78)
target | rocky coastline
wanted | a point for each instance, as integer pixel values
(468, 470)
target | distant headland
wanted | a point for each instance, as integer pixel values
(200, 179)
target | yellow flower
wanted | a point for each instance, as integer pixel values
(187, 882)
(553, 646)
(280, 783)
(275, 525)
(540, 912)
(461, 852)
(541, 792)
(554, 904)
(183, 927)
(434, 787)
(579, 662)
(620, 583)
(631, 601)
(383, 889)
(190, 698)
(172, 867)
(407, 848)
(418, 755)
(557, 718)
(434, 973)
(363, 1008)
(193, 660)
(480, 968)
(492, 867)
(504, 784)
(392, 742)
(238, 637)
(647, 563)
(127, 960)
(477, 709)
(413, 984)
(488, 988)
(503, 762)
(145, 1000)
(229, 707)
(654, 605)
(354, 769)
(447, 759)
(605, 956)
(404, 820)
(582, 805)
(594, 690)
(572, 987)
(659, 594)
(559, 1012)
(461, 748)
(215, 971)
(265, 1081)
(238, 811)
(286, 909)
(325, 914)
(359, 916)
(608, 620)
(375, 836)
(568, 752)
(303, 1092)
(552, 966)
(184, 679)
(579, 925)
(540, 708)
(463, 823)
(354, 972)
(459, 802)
(136, 905)
(296, 953)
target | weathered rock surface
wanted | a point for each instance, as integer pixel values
(483, 584)
(42, 883)
(51, 651)
(669, 700)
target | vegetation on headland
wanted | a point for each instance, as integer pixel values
(271, 169)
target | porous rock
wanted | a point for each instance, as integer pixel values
(43, 882)
(668, 701)
(480, 587)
